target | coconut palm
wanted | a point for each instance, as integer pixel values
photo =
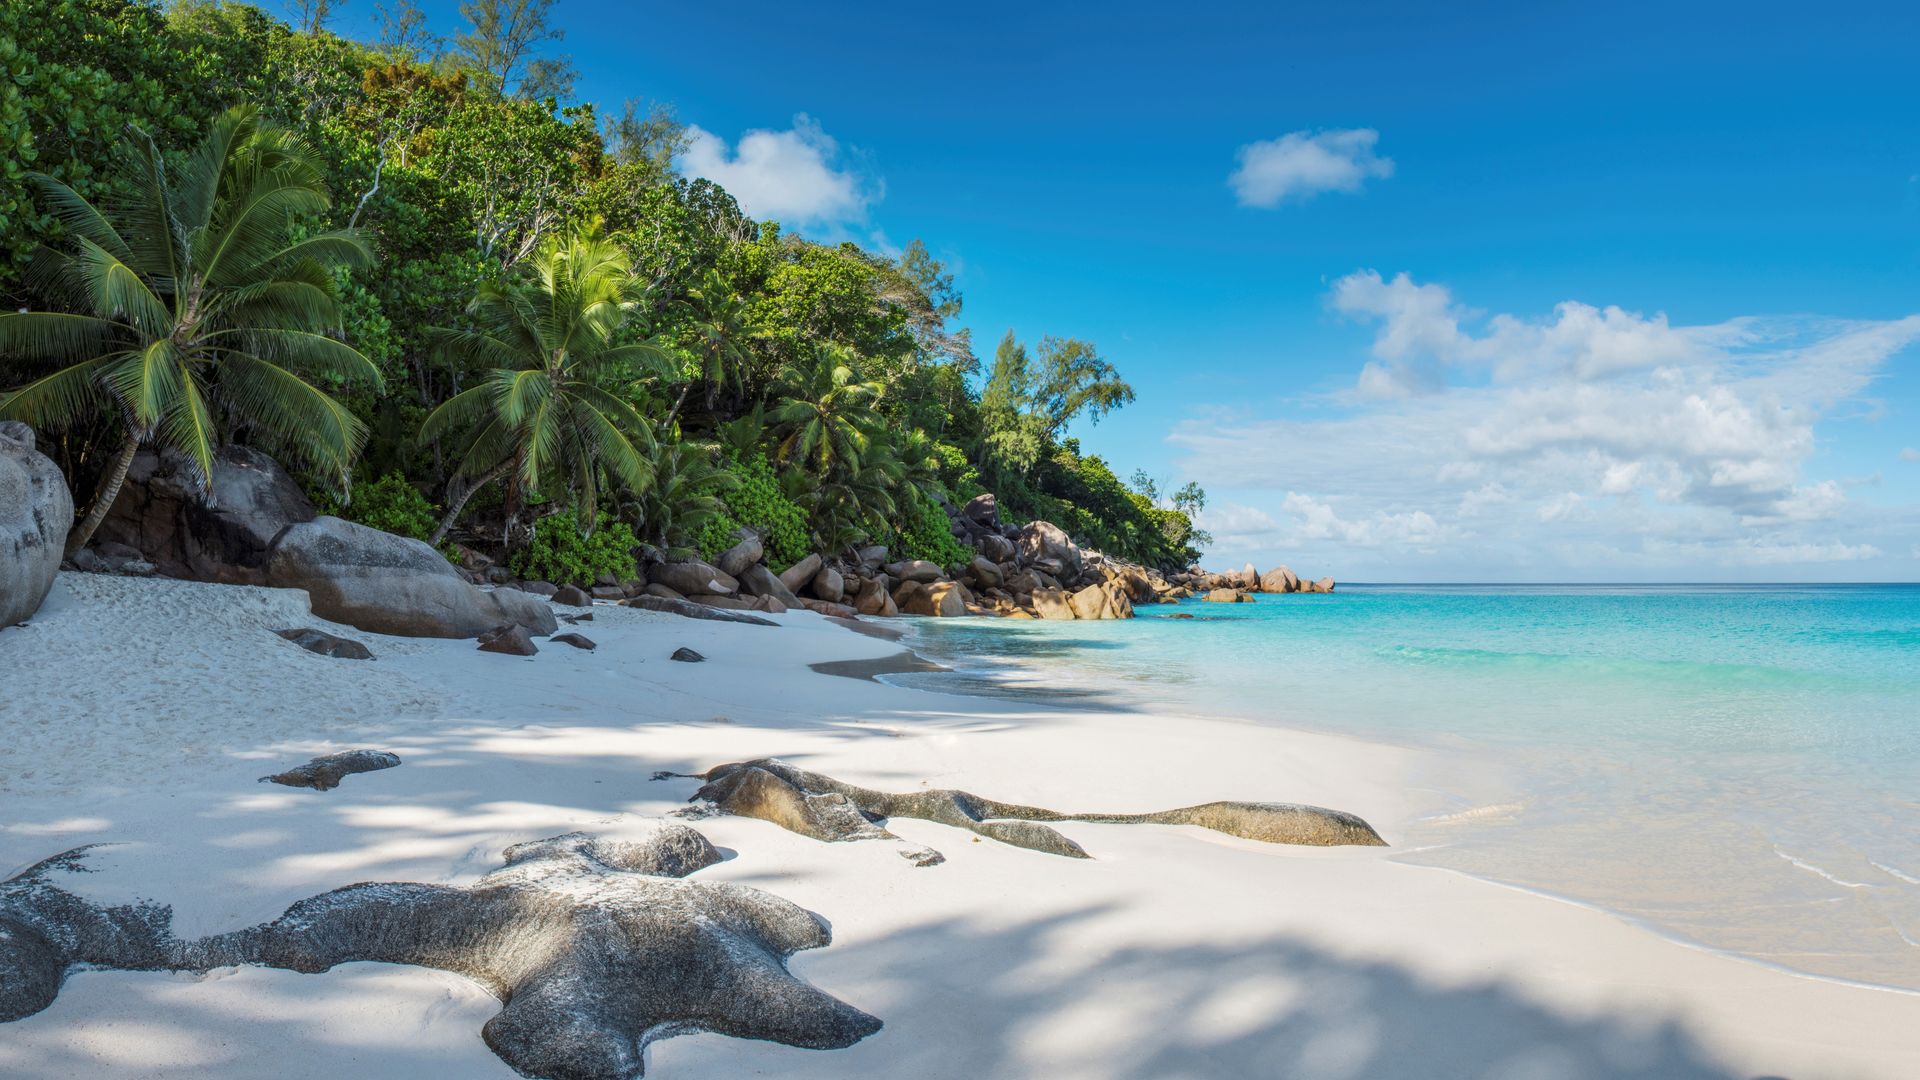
(551, 341)
(828, 415)
(720, 333)
(684, 497)
(190, 307)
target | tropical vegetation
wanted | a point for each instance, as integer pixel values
(464, 306)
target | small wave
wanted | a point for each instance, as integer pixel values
(1812, 869)
(1493, 812)
(1901, 874)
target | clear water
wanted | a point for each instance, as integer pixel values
(1736, 765)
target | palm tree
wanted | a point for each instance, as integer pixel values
(828, 417)
(684, 497)
(551, 340)
(720, 333)
(187, 301)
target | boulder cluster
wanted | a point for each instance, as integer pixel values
(1031, 571)
(251, 524)
(1238, 586)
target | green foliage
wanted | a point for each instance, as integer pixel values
(758, 503)
(390, 504)
(928, 535)
(562, 553)
(836, 380)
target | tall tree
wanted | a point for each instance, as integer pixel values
(501, 41)
(186, 301)
(312, 16)
(1072, 381)
(403, 33)
(543, 417)
(647, 135)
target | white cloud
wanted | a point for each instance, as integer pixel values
(794, 177)
(1910, 454)
(1585, 443)
(1302, 164)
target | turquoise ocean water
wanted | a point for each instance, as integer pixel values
(1736, 766)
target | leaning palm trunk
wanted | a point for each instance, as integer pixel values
(104, 499)
(458, 503)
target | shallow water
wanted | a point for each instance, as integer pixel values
(1736, 765)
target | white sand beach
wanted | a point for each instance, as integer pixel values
(138, 714)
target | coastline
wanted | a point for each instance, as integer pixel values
(1173, 952)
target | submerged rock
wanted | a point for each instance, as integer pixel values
(325, 773)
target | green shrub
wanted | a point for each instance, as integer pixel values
(929, 535)
(758, 503)
(389, 504)
(560, 553)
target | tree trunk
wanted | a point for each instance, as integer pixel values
(104, 499)
(677, 402)
(459, 501)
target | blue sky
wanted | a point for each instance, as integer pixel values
(1657, 258)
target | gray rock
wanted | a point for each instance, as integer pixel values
(827, 809)
(572, 596)
(760, 581)
(1279, 580)
(388, 584)
(1045, 546)
(609, 592)
(693, 577)
(510, 640)
(985, 573)
(919, 570)
(735, 560)
(220, 530)
(657, 589)
(526, 609)
(546, 590)
(319, 641)
(996, 547)
(983, 509)
(578, 641)
(325, 773)
(695, 611)
(828, 585)
(593, 946)
(686, 656)
(36, 513)
(872, 557)
(797, 576)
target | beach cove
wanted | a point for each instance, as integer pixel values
(1173, 951)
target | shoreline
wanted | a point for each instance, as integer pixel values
(1173, 951)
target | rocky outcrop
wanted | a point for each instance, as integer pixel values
(757, 580)
(1052, 604)
(821, 807)
(1279, 580)
(387, 584)
(220, 530)
(594, 947)
(325, 773)
(1046, 547)
(36, 513)
(1227, 596)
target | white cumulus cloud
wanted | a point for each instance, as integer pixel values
(1583, 443)
(794, 177)
(1302, 164)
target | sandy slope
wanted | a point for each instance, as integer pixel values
(141, 713)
